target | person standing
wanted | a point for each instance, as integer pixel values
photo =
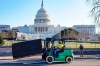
(81, 50)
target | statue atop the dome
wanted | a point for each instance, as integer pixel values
(42, 4)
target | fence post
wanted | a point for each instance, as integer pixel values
(95, 45)
(76, 44)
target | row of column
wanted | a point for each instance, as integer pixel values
(41, 29)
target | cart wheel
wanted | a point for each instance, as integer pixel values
(68, 59)
(49, 59)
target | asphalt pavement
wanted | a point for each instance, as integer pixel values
(40, 56)
(38, 59)
(76, 62)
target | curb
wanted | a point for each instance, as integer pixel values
(86, 58)
(23, 62)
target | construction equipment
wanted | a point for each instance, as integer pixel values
(65, 55)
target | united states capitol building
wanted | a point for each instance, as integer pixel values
(40, 29)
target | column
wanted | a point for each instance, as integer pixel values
(37, 29)
(40, 29)
(46, 29)
(43, 29)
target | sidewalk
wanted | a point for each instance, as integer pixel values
(40, 57)
(87, 57)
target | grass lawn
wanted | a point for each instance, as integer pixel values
(68, 44)
(10, 42)
(86, 45)
(77, 44)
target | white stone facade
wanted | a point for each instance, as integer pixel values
(4, 27)
(41, 26)
(86, 30)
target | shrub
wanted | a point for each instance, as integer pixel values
(1, 41)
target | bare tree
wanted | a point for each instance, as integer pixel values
(95, 12)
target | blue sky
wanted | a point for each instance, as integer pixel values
(64, 12)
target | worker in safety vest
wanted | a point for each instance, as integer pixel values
(59, 48)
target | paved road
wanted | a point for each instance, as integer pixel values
(39, 62)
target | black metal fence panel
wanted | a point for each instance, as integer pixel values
(27, 48)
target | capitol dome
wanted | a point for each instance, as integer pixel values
(41, 15)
